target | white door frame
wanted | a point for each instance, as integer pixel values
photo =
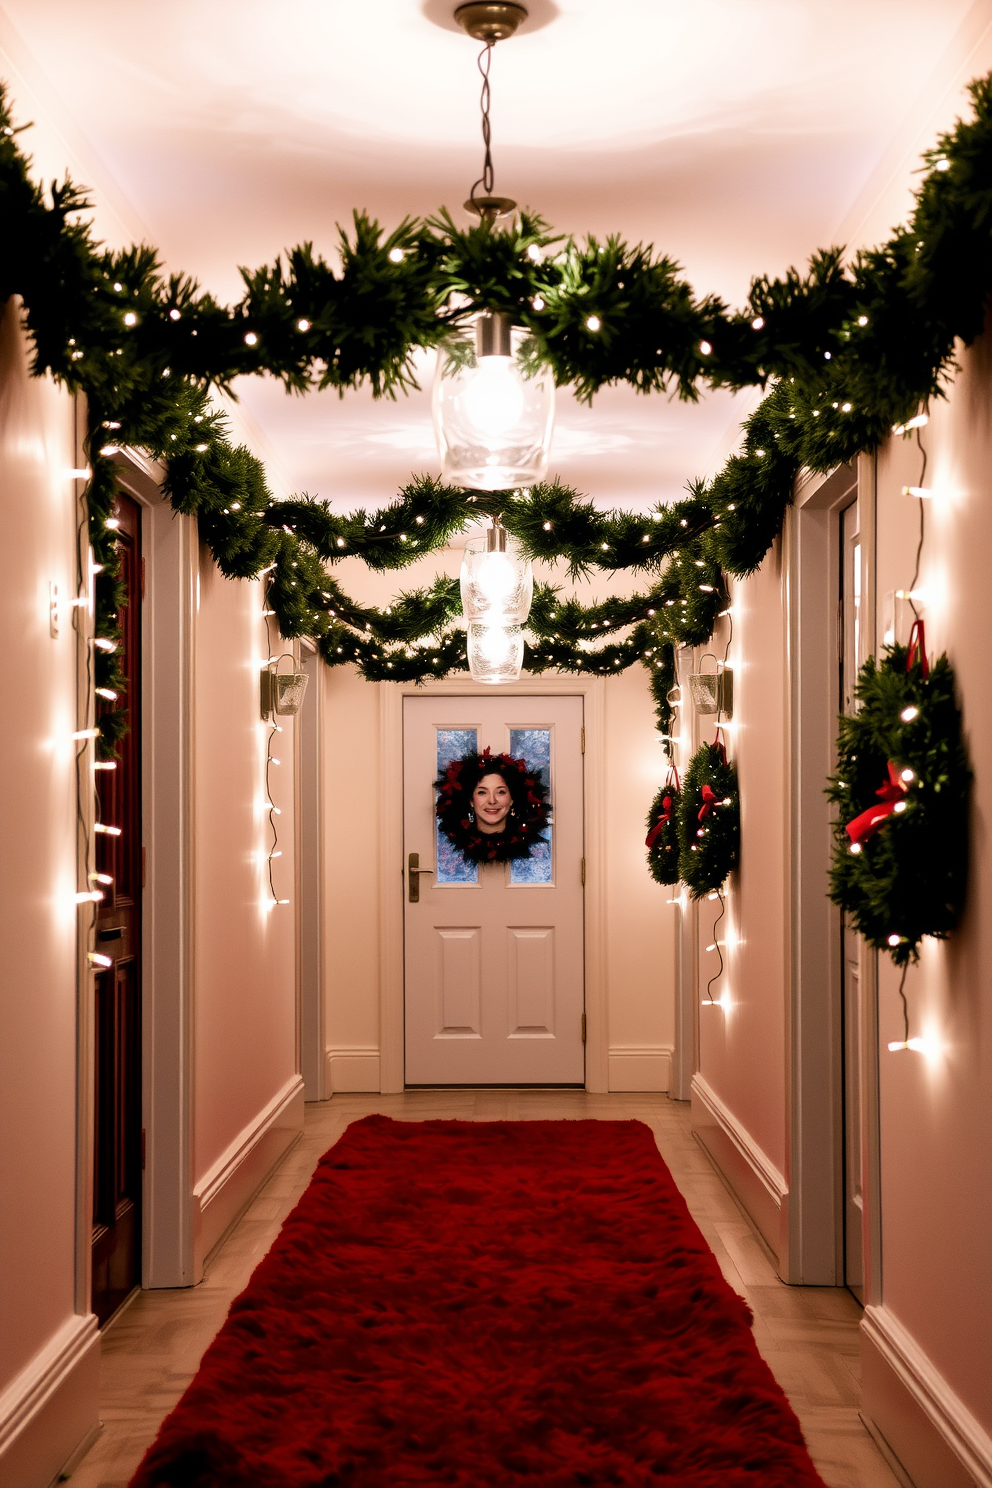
(814, 1053)
(391, 1011)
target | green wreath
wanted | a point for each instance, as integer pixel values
(525, 824)
(709, 821)
(902, 791)
(662, 841)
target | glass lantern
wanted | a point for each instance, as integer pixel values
(495, 653)
(497, 581)
(493, 408)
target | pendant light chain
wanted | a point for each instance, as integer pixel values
(486, 180)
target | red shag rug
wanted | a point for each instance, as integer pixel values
(485, 1303)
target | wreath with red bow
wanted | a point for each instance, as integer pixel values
(902, 789)
(524, 825)
(662, 841)
(709, 821)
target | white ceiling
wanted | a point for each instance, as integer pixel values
(737, 135)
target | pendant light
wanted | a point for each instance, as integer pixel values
(497, 585)
(493, 406)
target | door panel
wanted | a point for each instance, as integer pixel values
(116, 1259)
(495, 955)
(532, 978)
(460, 981)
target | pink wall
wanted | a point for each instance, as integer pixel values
(244, 955)
(742, 1040)
(38, 863)
(936, 1109)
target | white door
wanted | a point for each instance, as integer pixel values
(494, 954)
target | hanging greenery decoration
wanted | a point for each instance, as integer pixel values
(902, 789)
(709, 821)
(523, 827)
(662, 841)
(847, 350)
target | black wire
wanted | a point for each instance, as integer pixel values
(486, 180)
(905, 1005)
(273, 730)
(717, 974)
(923, 506)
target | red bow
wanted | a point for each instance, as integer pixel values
(891, 792)
(918, 649)
(660, 824)
(710, 798)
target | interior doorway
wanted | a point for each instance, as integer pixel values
(851, 657)
(494, 956)
(119, 1139)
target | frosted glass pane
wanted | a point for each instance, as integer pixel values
(534, 745)
(450, 866)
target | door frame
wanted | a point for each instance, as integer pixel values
(814, 1061)
(392, 879)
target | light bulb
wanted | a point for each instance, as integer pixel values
(494, 399)
(497, 577)
(495, 644)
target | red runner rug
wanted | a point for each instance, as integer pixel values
(485, 1303)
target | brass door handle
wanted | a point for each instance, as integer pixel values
(414, 871)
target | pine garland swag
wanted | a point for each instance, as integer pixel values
(525, 824)
(709, 821)
(847, 349)
(662, 841)
(909, 877)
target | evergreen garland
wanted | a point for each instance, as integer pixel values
(847, 350)
(904, 874)
(709, 821)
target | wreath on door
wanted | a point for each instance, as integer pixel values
(525, 823)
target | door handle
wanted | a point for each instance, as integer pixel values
(414, 871)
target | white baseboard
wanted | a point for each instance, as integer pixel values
(749, 1172)
(227, 1188)
(354, 1068)
(910, 1405)
(640, 1066)
(50, 1414)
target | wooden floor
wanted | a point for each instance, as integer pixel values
(809, 1335)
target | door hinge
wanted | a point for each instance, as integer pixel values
(582, 734)
(583, 1027)
(583, 870)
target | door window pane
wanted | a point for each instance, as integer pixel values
(450, 866)
(534, 746)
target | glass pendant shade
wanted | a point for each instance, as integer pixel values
(495, 653)
(493, 410)
(497, 581)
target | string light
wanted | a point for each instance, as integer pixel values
(96, 959)
(921, 491)
(107, 831)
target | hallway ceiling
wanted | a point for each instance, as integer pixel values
(737, 135)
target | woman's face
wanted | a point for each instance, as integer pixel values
(492, 801)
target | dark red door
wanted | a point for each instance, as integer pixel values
(118, 1157)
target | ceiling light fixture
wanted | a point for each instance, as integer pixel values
(493, 405)
(497, 584)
